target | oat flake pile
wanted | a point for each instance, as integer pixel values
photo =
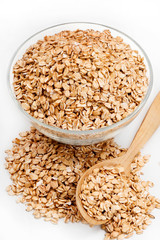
(80, 80)
(45, 173)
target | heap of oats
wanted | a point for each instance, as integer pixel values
(80, 79)
(125, 203)
(45, 174)
(105, 192)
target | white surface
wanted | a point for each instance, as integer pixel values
(19, 20)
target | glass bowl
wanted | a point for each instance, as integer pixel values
(71, 136)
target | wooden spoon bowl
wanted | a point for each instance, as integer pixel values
(149, 125)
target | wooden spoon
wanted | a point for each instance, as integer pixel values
(149, 125)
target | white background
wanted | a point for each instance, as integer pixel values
(19, 20)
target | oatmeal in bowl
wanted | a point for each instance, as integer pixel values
(80, 83)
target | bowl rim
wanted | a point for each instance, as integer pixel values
(81, 132)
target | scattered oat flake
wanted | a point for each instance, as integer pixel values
(45, 181)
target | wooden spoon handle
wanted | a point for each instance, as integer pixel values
(149, 125)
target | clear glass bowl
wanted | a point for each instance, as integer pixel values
(70, 136)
